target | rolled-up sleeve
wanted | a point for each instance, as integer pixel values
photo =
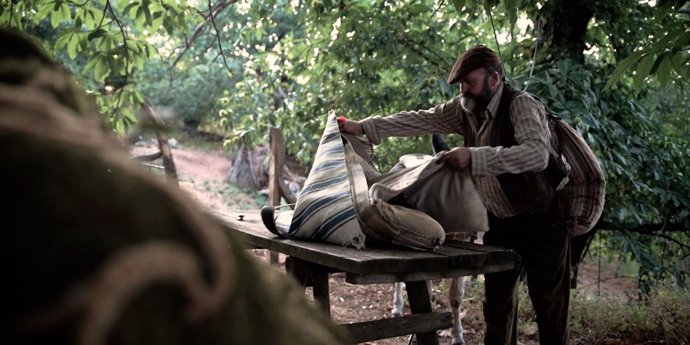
(443, 118)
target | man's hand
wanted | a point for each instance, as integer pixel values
(460, 158)
(350, 126)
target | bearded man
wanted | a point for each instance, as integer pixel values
(507, 150)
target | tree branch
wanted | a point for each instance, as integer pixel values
(78, 4)
(680, 244)
(124, 38)
(650, 229)
(119, 24)
(220, 45)
(199, 29)
(105, 11)
(11, 12)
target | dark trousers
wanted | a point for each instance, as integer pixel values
(543, 243)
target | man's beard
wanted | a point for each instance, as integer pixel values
(476, 103)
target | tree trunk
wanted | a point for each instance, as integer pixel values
(241, 173)
(565, 28)
(191, 126)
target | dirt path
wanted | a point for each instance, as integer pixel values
(199, 172)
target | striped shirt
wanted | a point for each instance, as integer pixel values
(531, 133)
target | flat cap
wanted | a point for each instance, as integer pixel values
(476, 57)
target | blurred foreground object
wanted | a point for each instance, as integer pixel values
(97, 251)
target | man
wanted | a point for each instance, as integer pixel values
(507, 150)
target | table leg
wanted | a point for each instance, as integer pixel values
(316, 276)
(321, 291)
(420, 302)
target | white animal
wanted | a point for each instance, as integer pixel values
(457, 285)
(456, 294)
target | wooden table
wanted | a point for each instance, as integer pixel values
(312, 262)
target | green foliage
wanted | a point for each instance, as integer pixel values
(103, 42)
(666, 56)
(628, 140)
(343, 59)
(644, 158)
(190, 92)
(661, 257)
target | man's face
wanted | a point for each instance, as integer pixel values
(475, 91)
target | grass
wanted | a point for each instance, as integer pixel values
(663, 317)
(234, 197)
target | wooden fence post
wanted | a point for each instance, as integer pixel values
(165, 150)
(275, 169)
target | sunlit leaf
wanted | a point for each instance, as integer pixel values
(65, 12)
(101, 69)
(140, 18)
(129, 7)
(55, 19)
(73, 46)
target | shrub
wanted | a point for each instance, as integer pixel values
(662, 317)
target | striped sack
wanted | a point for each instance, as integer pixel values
(335, 206)
(585, 191)
(325, 210)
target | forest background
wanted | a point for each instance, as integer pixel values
(616, 70)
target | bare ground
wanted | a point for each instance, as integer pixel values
(354, 303)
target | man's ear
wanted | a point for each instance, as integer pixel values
(494, 78)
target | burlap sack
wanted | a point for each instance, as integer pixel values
(439, 191)
(382, 221)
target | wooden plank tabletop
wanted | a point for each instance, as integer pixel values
(466, 257)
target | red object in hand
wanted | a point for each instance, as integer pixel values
(341, 120)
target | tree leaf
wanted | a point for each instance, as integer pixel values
(96, 34)
(643, 70)
(140, 18)
(62, 40)
(147, 15)
(511, 8)
(73, 46)
(55, 19)
(65, 12)
(129, 7)
(90, 18)
(43, 10)
(622, 68)
(91, 64)
(169, 26)
(101, 69)
(663, 72)
(679, 60)
(459, 5)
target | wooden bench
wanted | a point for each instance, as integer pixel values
(312, 263)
